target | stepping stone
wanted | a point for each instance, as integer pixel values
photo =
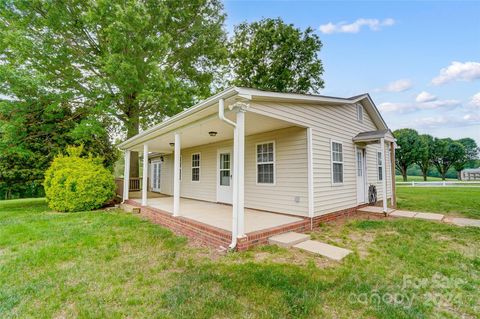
(403, 213)
(374, 210)
(429, 216)
(326, 250)
(464, 221)
(288, 239)
(130, 208)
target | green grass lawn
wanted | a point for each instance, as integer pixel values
(453, 201)
(114, 265)
(411, 178)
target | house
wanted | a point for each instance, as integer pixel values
(470, 174)
(245, 164)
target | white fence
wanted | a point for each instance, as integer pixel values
(439, 184)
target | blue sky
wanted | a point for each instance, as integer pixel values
(420, 61)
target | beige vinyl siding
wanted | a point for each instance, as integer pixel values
(372, 169)
(290, 172)
(338, 123)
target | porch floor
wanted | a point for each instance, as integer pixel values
(220, 215)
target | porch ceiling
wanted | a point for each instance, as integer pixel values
(198, 133)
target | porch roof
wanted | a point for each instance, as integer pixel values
(374, 136)
(207, 110)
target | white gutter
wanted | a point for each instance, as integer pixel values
(221, 116)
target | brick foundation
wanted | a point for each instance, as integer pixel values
(216, 237)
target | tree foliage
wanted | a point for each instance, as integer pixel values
(272, 55)
(34, 127)
(134, 62)
(75, 183)
(425, 154)
(409, 150)
(446, 153)
(471, 154)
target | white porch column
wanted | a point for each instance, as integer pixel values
(126, 176)
(176, 176)
(241, 169)
(311, 208)
(145, 175)
(384, 175)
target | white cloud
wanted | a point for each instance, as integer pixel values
(475, 101)
(396, 86)
(425, 97)
(397, 107)
(446, 121)
(410, 107)
(356, 26)
(458, 71)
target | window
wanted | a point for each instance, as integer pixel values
(196, 167)
(360, 113)
(380, 165)
(266, 163)
(337, 163)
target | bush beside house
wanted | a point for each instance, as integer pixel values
(74, 183)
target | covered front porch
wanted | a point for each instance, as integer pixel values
(211, 153)
(217, 215)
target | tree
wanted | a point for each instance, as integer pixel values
(446, 153)
(272, 55)
(471, 154)
(35, 126)
(424, 160)
(133, 62)
(409, 149)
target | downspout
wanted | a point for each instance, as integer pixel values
(221, 116)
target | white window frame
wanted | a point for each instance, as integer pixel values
(337, 162)
(274, 164)
(360, 112)
(199, 167)
(380, 166)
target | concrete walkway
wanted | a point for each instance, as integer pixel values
(421, 215)
(303, 242)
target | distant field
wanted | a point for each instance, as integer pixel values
(411, 178)
(454, 201)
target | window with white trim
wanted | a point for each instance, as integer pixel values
(380, 166)
(360, 113)
(266, 163)
(337, 163)
(196, 167)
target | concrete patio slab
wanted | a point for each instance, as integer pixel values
(403, 213)
(326, 250)
(288, 239)
(374, 210)
(220, 215)
(463, 221)
(429, 216)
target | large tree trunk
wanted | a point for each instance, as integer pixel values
(133, 126)
(404, 173)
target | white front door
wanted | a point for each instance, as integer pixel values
(361, 181)
(224, 176)
(156, 175)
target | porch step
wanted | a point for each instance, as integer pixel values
(130, 208)
(326, 250)
(288, 239)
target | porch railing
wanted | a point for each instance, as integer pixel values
(135, 185)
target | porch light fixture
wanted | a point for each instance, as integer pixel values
(212, 133)
(172, 144)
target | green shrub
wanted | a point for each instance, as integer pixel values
(74, 183)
